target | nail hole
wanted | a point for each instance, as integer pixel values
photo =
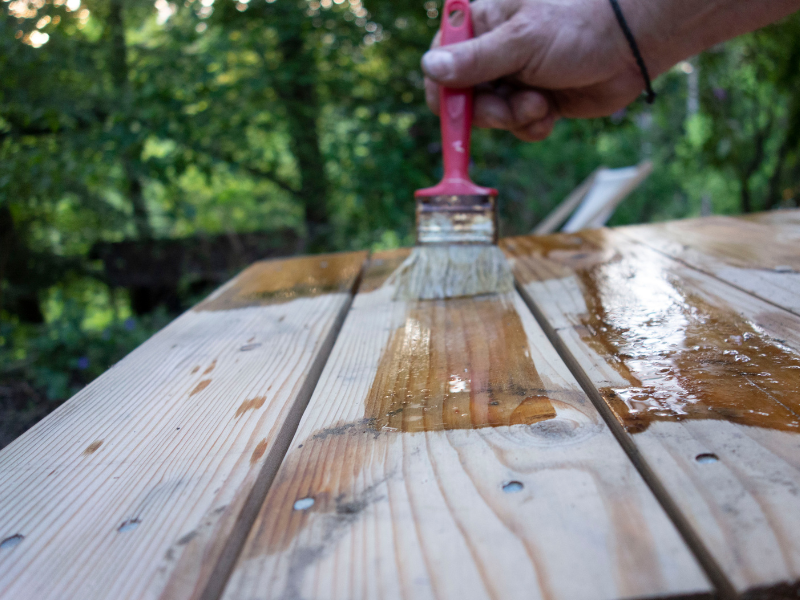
(456, 18)
(128, 525)
(247, 347)
(512, 487)
(706, 457)
(303, 503)
(12, 541)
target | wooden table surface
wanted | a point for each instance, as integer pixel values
(624, 425)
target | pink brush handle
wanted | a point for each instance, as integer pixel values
(455, 105)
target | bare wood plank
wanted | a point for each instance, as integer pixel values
(560, 213)
(142, 484)
(448, 453)
(703, 381)
(779, 218)
(763, 259)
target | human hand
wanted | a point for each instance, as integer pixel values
(535, 60)
(532, 61)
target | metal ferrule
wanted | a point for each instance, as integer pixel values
(456, 220)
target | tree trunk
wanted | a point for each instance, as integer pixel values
(745, 197)
(297, 88)
(118, 62)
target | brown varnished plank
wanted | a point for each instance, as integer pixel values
(144, 484)
(447, 452)
(758, 255)
(703, 380)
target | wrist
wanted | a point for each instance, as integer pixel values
(668, 31)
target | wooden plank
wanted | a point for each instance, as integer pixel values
(610, 187)
(779, 218)
(760, 258)
(701, 382)
(448, 453)
(144, 484)
(560, 213)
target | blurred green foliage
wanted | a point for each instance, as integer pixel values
(134, 120)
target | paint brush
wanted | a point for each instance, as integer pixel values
(456, 253)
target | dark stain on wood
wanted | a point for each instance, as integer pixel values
(186, 538)
(210, 367)
(328, 469)
(684, 357)
(200, 387)
(92, 448)
(278, 281)
(196, 369)
(251, 404)
(457, 364)
(260, 448)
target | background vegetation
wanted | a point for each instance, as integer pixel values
(149, 150)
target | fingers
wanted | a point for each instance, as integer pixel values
(526, 113)
(490, 14)
(537, 131)
(499, 52)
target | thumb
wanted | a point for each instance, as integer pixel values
(500, 52)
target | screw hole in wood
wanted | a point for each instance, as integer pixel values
(11, 541)
(303, 503)
(706, 457)
(128, 525)
(512, 487)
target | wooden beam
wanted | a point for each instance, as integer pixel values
(144, 484)
(700, 382)
(560, 213)
(760, 258)
(448, 453)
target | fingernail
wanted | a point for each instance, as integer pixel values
(438, 65)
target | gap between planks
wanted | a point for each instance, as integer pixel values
(728, 573)
(725, 589)
(233, 548)
(62, 524)
(627, 233)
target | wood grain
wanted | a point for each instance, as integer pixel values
(758, 257)
(142, 485)
(448, 453)
(788, 217)
(702, 379)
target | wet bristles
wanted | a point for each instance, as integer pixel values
(452, 271)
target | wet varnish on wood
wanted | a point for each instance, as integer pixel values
(144, 484)
(759, 257)
(627, 426)
(448, 453)
(703, 377)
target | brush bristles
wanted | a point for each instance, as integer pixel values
(452, 271)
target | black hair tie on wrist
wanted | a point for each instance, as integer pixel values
(651, 95)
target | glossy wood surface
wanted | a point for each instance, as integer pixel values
(449, 449)
(703, 379)
(758, 255)
(447, 452)
(144, 484)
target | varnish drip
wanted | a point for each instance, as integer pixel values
(277, 281)
(457, 364)
(684, 357)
